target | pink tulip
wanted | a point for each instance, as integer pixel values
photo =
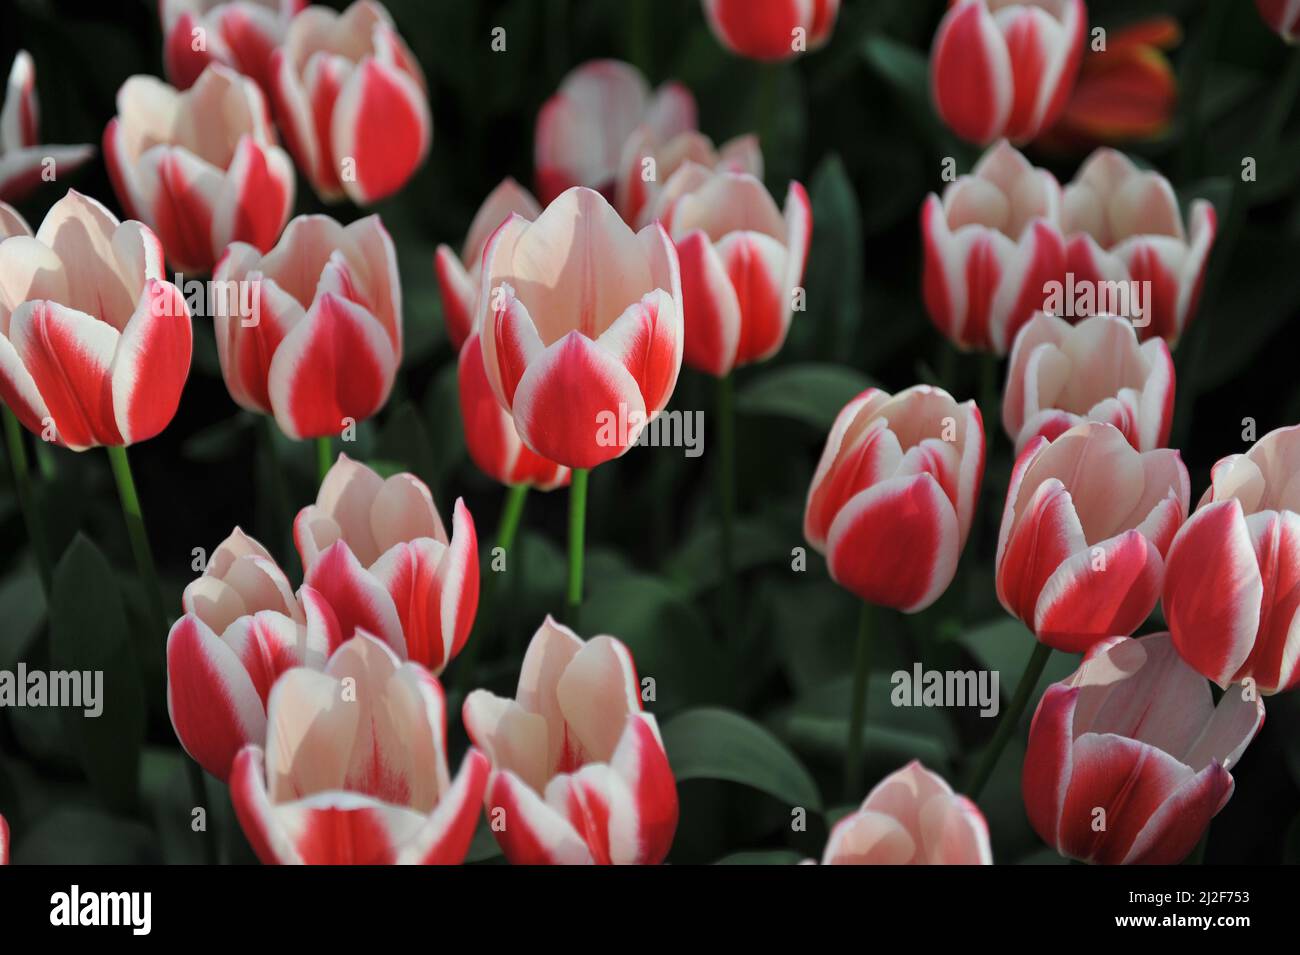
(771, 29)
(322, 341)
(458, 277)
(1128, 758)
(201, 167)
(1062, 375)
(240, 34)
(1282, 17)
(894, 494)
(741, 260)
(647, 163)
(584, 130)
(912, 817)
(1006, 67)
(355, 768)
(490, 433)
(1087, 523)
(991, 246)
(350, 99)
(1123, 225)
(376, 550)
(94, 342)
(24, 162)
(581, 322)
(1232, 584)
(579, 773)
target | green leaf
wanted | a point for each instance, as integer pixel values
(88, 633)
(22, 608)
(834, 277)
(75, 836)
(719, 744)
(812, 392)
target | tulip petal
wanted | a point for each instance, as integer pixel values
(151, 363)
(358, 599)
(381, 122)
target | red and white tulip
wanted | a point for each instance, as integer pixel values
(1061, 375)
(991, 246)
(201, 167)
(1087, 524)
(240, 34)
(894, 495)
(1123, 224)
(351, 101)
(1129, 758)
(1232, 581)
(94, 342)
(579, 772)
(354, 770)
(770, 30)
(912, 817)
(585, 130)
(648, 165)
(581, 322)
(376, 550)
(24, 161)
(458, 276)
(1282, 17)
(1006, 68)
(322, 340)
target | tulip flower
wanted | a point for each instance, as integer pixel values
(351, 101)
(999, 69)
(490, 433)
(769, 30)
(647, 164)
(1129, 758)
(240, 34)
(354, 770)
(894, 494)
(1087, 524)
(912, 817)
(582, 327)
(317, 336)
(24, 162)
(377, 552)
(94, 342)
(1282, 17)
(579, 773)
(742, 261)
(992, 245)
(1062, 375)
(240, 578)
(1231, 596)
(458, 277)
(1123, 225)
(201, 167)
(585, 129)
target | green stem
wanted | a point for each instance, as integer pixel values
(1010, 720)
(324, 455)
(577, 537)
(858, 707)
(727, 500)
(511, 511)
(27, 499)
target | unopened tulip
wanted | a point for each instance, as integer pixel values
(201, 167)
(1061, 375)
(1232, 582)
(350, 99)
(894, 494)
(581, 322)
(1087, 523)
(579, 773)
(1123, 225)
(1129, 758)
(583, 131)
(490, 433)
(376, 550)
(240, 578)
(312, 331)
(94, 342)
(771, 30)
(354, 770)
(24, 162)
(992, 245)
(458, 276)
(241, 34)
(742, 261)
(1001, 69)
(647, 165)
(1282, 17)
(912, 817)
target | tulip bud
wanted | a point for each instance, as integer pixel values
(771, 30)
(649, 165)
(240, 34)
(24, 161)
